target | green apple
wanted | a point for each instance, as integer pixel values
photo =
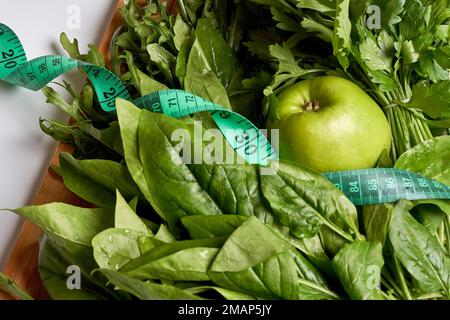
(329, 124)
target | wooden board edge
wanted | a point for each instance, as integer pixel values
(22, 265)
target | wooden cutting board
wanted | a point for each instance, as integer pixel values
(22, 265)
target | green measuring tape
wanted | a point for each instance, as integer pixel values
(376, 186)
(362, 187)
(242, 135)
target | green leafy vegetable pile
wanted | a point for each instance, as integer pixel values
(162, 229)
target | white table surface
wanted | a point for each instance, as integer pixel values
(25, 151)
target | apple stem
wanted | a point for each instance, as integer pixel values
(312, 106)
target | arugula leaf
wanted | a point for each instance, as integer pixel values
(72, 109)
(140, 80)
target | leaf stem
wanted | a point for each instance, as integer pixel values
(319, 288)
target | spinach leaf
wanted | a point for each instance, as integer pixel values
(128, 115)
(242, 250)
(219, 56)
(358, 266)
(10, 287)
(201, 227)
(165, 250)
(74, 224)
(431, 213)
(53, 273)
(164, 235)
(275, 278)
(190, 264)
(162, 177)
(146, 290)
(419, 251)
(376, 221)
(226, 293)
(271, 271)
(211, 65)
(97, 180)
(430, 158)
(113, 248)
(304, 201)
(311, 247)
(201, 189)
(126, 217)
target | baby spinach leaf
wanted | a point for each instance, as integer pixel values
(358, 266)
(128, 115)
(113, 248)
(304, 201)
(204, 189)
(167, 249)
(146, 290)
(419, 251)
(275, 278)
(162, 177)
(227, 294)
(201, 227)
(430, 158)
(311, 247)
(376, 221)
(243, 248)
(431, 213)
(201, 80)
(78, 225)
(97, 180)
(10, 287)
(190, 264)
(53, 273)
(219, 56)
(126, 218)
(182, 32)
(164, 235)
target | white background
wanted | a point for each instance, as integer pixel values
(24, 150)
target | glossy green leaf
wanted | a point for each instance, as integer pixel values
(419, 251)
(430, 158)
(97, 180)
(304, 201)
(146, 290)
(358, 266)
